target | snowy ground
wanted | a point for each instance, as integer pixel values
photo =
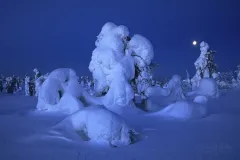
(27, 134)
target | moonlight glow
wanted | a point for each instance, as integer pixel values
(194, 43)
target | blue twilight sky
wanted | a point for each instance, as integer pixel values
(49, 34)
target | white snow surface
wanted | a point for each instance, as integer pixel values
(27, 133)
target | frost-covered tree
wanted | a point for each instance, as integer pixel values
(10, 85)
(205, 66)
(186, 84)
(27, 85)
(112, 67)
(238, 73)
(2, 83)
(19, 84)
(224, 80)
(142, 52)
(37, 73)
(119, 60)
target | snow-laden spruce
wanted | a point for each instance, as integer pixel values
(60, 92)
(27, 87)
(142, 52)
(113, 63)
(97, 124)
(205, 67)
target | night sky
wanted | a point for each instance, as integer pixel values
(50, 34)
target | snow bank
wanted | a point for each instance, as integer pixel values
(184, 110)
(60, 92)
(98, 124)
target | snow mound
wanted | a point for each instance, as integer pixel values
(185, 110)
(60, 92)
(207, 87)
(98, 124)
(200, 100)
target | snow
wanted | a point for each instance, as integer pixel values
(142, 50)
(205, 67)
(183, 110)
(161, 97)
(111, 68)
(30, 134)
(101, 125)
(207, 87)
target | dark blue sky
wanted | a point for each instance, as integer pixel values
(49, 34)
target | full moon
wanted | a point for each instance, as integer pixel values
(194, 43)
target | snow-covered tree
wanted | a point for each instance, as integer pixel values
(19, 84)
(142, 52)
(224, 80)
(238, 73)
(27, 85)
(205, 66)
(37, 73)
(10, 85)
(2, 79)
(111, 67)
(60, 92)
(186, 84)
(38, 83)
(119, 60)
